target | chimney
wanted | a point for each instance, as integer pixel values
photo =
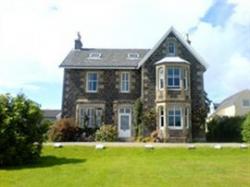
(188, 41)
(78, 43)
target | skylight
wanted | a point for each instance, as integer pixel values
(133, 56)
(95, 55)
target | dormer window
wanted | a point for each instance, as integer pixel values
(133, 56)
(95, 56)
(171, 49)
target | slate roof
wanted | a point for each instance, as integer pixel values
(231, 100)
(49, 113)
(182, 40)
(110, 58)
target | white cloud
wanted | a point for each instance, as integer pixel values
(36, 36)
(226, 49)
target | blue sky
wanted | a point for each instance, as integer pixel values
(35, 36)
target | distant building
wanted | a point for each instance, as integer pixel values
(235, 105)
(51, 114)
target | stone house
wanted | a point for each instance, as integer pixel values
(103, 85)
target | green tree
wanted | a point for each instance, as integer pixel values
(246, 129)
(137, 117)
(22, 130)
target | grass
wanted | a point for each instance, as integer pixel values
(123, 167)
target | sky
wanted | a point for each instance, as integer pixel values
(36, 35)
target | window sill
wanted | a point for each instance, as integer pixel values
(87, 91)
(175, 128)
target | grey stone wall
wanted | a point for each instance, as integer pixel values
(74, 88)
(196, 80)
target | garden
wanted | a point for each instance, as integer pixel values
(26, 161)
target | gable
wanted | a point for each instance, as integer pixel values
(172, 34)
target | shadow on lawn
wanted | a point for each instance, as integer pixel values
(46, 161)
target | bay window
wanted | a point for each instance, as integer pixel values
(173, 78)
(174, 118)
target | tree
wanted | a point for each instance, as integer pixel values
(22, 130)
(200, 110)
(246, 129)
(137, 117)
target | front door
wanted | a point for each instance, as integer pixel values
(124, 123)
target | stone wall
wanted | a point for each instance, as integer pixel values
(74, 88)
(196, 79)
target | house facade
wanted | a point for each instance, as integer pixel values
(101, 86)
(235, 105)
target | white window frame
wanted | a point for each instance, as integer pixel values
(174, 109)
(88, 82)
(122, 81)
(95, 56)
(133, 56)
(92, 113)
(245, 105)
(170, 45)
(173, 76)
(185, 79)
(161, 78)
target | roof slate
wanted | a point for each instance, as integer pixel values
(110, 58)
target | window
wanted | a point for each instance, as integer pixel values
(95, 56)
(161, 79)
(174, 118)
(133, 56)
(161, 116)
(92, 82)
(125, 82)
(124, 118)
(246, 103)
(185, 80)
(171, 49)
(174, 75)
(90, 117)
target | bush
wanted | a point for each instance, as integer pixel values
(149, 120)
(21, 130)
(225, 129)
(64, 130)
(106, 133)
(137, 117)
(246, 129)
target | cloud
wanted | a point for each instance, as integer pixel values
(37, 35)
(226, 49)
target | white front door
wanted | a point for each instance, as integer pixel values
(124, 123)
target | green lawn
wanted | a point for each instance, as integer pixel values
(123, 167)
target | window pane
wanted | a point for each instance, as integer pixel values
(170, 82)
(124, 122)
(162, 121)
(176, 81)
(161, 83)
(176, 71)
(171, 121)
(177, 121)
(170, 72)
(127, 110)
(178, 112)
(171, 113)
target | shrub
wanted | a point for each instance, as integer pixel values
(137, 117)
(225, 129)
(21, 130)
(246, 129)
(106, 133)
(149, 120)
(64, 130)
